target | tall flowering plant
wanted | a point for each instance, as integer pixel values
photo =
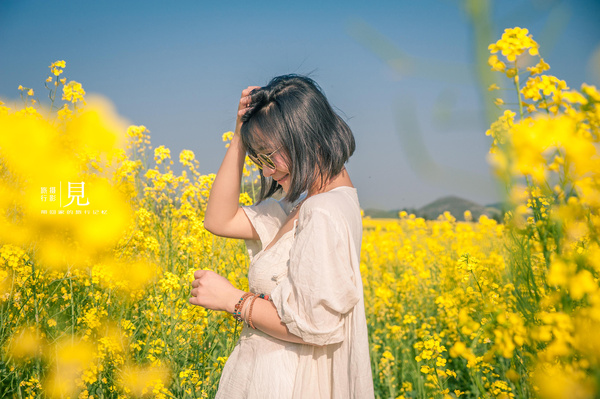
(546, 151)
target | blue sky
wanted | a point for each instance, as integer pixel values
(178, 68)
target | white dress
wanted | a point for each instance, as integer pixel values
(312, 274)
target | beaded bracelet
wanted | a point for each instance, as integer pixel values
(254, 298)
(237, 312)
(264, 296)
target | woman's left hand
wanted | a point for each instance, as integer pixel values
(212, 291)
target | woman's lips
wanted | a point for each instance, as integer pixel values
(284, 178)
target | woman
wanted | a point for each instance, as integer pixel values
(305, 332)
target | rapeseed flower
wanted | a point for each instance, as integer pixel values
(73, 92)
(513, 43)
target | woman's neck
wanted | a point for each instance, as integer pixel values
(341, 179)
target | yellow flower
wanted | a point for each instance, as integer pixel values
(64, 113)
(227, 136)
(26, 344)
(591, 91)
(496, 64)
(574, 97)
(388, 355)
(55, 67)
(137, 132)
(139, 380)
(245, 199)
(556, 381)
(73, 92)
(186, 158)
(458, 349)
(468, 216)
(513, 43)
(161, 153)
(500, 128)
(582, 283)
(539, 68)
(71, 358)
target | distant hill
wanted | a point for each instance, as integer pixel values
(501, 206)
(455, 205)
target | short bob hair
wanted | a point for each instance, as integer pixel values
(292, 112)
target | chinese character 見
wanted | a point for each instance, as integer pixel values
(76, 191)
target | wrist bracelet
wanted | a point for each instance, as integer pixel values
(254, 298)
(237, 311)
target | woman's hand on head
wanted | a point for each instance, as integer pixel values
(213, 291)
(244, 105)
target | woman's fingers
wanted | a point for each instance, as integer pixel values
(212, 291)
(199, 273)
(194, 299)
(243, 106)
(244, 103)
(248, 90)
(246, 99)
(195, 294)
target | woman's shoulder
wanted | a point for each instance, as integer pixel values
(339, 200)
(332, 218)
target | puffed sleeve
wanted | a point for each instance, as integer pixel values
(267, 218)
(319, 290)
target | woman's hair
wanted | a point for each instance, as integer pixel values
(292, 112)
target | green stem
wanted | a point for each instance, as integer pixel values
(72, 310)
(518, 87)
(34, 289)
(478, 285)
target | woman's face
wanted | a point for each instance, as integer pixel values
(280, 173)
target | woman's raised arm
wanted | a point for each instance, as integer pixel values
(224, 216)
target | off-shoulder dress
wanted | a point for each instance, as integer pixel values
(312, 274)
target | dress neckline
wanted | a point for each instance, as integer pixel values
(269, 247)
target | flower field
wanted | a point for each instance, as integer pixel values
(99, 238)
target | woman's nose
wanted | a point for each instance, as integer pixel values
(267, 171)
